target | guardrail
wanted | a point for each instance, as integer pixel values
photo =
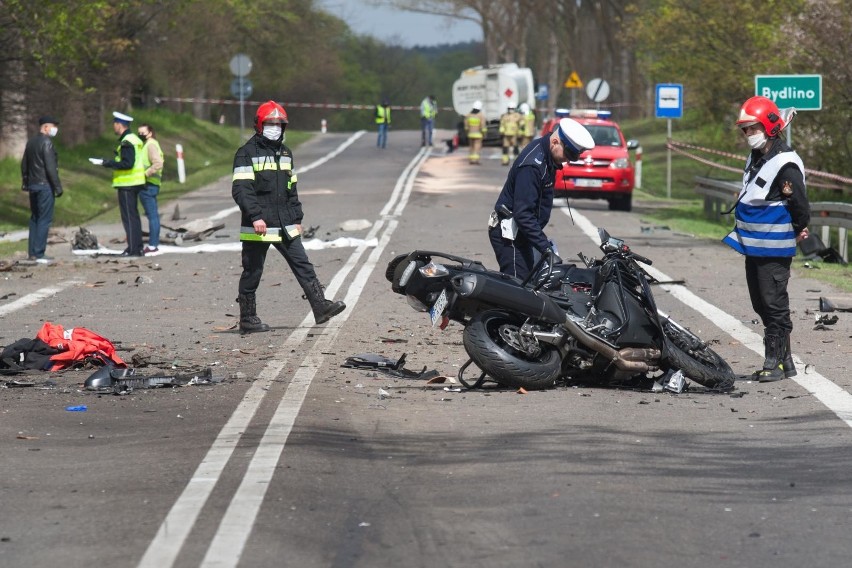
(719, 195)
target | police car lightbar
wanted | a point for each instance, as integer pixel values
(591, 113)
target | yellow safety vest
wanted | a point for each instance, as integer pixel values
(383, 115)
(136, 174)
(157, 178)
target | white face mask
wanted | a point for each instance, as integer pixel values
(272, 131)
(52, 131)
(757, 140)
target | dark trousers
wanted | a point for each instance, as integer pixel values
(41, 216)
(254, 255)
(767, 279)
(128, 205)
(516, 258)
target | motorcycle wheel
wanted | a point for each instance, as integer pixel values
(491, 340)
(686, 352)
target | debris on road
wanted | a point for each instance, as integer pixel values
(374, 361)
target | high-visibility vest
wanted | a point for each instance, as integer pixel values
(136, 174)
(427, 109)
(383, 115)
(764, 228)
(157, 178)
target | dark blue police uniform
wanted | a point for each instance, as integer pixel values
(528, 194)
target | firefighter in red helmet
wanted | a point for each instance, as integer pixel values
(772, 215)
(264, 187)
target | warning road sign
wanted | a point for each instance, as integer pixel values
(573, 81)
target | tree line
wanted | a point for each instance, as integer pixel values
(83, 58)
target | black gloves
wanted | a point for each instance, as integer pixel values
(57, 192)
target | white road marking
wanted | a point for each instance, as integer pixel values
(831, 395)
(36, 297)
(238, 521)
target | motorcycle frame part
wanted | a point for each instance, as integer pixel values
(479, 381)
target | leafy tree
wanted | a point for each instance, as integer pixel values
(713, 47)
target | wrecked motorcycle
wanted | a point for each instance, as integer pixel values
(598, 322)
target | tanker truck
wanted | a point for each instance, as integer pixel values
(495, 86)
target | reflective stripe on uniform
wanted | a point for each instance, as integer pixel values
(243, 172)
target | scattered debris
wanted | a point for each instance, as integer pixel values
(676, 383)
(388, 366)
(823, 320)
(835, 304)
(84, 239)
(81, 408)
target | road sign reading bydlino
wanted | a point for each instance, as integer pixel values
(803, 92)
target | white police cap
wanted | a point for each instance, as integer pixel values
(575, 136)
(121, 117)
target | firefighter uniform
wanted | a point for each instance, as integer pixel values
(264, 187)
(475, 126)
(509, 124)
(526, 126)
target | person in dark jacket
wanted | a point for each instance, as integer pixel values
(772, 215)
(40, 177)
(264, 187)
(516, 226)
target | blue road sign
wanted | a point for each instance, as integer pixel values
(669, 101)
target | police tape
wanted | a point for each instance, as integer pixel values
(285, 104)
(678, 147)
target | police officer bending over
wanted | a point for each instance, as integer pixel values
(264, 186)
(528, 195)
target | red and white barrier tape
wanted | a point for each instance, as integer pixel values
(675, 146)
(333, 106)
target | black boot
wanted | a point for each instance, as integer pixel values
(773, 365)
(324, 309)
(249, 322)
(789, 366)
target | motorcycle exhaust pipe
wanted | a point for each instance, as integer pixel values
(493, 290)
(630, 359)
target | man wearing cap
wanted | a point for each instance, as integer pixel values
(128, 178)
(516, 226)
(40, 177)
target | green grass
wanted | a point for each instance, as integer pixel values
(88, 193)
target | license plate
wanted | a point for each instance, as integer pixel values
(586, 182)
(438, 308)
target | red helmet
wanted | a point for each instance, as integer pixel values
(764, 111)
(270, 111)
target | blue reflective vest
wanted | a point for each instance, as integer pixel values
(764, 228)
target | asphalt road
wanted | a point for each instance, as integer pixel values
(293, 460)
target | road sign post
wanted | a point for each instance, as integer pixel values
(240, 65)
(669, 105)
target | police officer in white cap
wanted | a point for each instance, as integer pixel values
(522, 211)
(128, 178)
